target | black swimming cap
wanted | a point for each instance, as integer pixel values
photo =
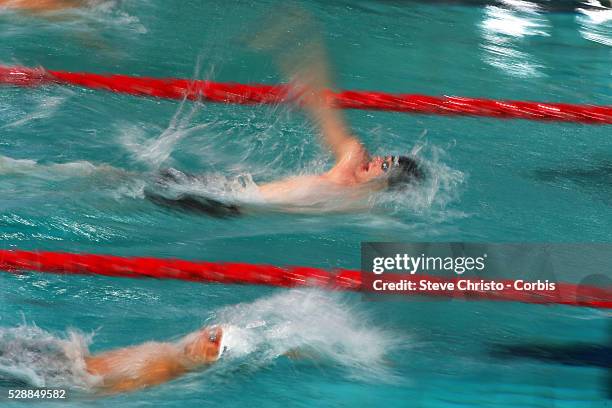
(405, 170)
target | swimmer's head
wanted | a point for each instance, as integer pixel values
(404, 170)
(204, 346)
(394, 170)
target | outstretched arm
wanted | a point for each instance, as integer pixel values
(330, 121)
(312, 84)
(292, 37)
(153, 363)
(132, 368)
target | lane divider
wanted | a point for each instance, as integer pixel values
(17, 261)
(225, 92)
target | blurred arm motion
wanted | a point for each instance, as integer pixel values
(353, 165)
(153, 363)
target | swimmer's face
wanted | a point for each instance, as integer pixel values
(377, 167)
(205, 348)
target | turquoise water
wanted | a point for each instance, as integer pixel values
(74, 163)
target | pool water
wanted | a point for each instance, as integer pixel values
(74, 163)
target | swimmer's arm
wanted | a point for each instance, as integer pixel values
(331, 123)
(137, 367)
(312, 82)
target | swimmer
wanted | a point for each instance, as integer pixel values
(58, 11)
(293, 41)
(347, 186)
(41, 6)
(355, 173)
(290, 37)
(152, 363)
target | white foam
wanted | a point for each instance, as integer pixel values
(318, 324)
(227, 340)
(40, 359)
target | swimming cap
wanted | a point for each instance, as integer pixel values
(405, 170)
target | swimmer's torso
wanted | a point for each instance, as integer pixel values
(314, 192)
(337, 189)
(221, 196)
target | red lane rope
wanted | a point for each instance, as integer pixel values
(274, 94)
(293, 276)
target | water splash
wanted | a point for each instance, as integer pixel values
(441, 186)
(37, 358)
(310, 323)
(154, 153)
